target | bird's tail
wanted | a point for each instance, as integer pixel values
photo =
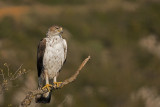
(45, 98)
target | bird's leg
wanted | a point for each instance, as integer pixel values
(47, 83)
(58, 84)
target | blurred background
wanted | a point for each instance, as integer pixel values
(122, 37)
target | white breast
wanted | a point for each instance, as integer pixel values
(54, 56)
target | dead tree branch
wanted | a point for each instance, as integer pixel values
(28, 99)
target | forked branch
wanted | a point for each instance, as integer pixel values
(28, 99)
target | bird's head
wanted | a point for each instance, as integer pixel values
(54, 30)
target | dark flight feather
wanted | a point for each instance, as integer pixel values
(40, 54)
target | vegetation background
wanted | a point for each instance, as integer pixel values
(122, 37)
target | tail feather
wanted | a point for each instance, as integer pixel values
(45, 98)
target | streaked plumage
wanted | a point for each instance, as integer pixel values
(51, 54)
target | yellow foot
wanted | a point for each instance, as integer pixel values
(58, 84)
(47, 86)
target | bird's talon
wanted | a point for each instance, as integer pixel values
(47, 86)
(58, 84)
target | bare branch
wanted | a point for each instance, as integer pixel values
(28, 99)
(5, 64)
(18, 73)
(73, 77)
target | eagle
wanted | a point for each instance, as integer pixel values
(51, 55)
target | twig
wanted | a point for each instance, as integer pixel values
(17, 73)
(10, 77)
(5, 64)
(28, 99)
(1, 70)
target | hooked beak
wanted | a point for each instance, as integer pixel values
(61, 30)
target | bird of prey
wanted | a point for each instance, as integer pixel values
(51, 55)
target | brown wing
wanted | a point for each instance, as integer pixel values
(40, 54)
